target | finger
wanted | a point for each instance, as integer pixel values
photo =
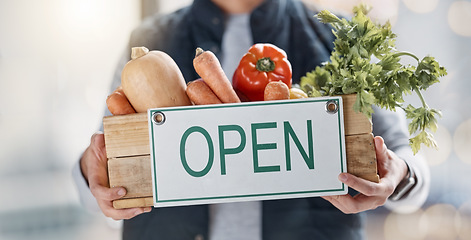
(118, 214)
(345, 203)
(337, 201)
(379, 142)
(359, 203)
(388, 166)
(97, 166)
(380, 148)
(361, 185)
(98, 174)
(130, 213)
(97, 143)
(96, 138)
(368, 203)
(109, 194)
(367, 188)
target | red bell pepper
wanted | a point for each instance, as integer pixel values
(263, 63)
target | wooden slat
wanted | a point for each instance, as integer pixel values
(354, 123)
(361, 156)
(126, 135)
(132, 173)
(133, 202)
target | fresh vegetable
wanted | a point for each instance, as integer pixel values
(200, 93)
(152, 79)
(276, 90)
(118, 103)
(382, 81)
(209, 68)
(262, 63)
(296, 93)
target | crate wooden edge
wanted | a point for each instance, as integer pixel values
(133, 202)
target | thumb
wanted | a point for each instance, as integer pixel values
(98, 139)
(381, 155)
(97, 146)
(380, 147)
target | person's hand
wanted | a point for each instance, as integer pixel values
(94, 169)
(391, 170)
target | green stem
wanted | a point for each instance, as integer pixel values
(406, 54)
(421, 97)
(399, 54)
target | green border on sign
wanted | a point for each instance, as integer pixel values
(234, 105)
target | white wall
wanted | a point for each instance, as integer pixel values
(56, 62)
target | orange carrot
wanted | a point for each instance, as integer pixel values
(200, 93)
(276, 90)
(209, 68)
(118, 103)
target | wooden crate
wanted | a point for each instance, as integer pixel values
(129, 165)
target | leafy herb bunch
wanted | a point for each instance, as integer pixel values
(365, 61)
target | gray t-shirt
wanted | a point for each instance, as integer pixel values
(241, 220)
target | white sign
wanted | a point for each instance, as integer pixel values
(247, 151)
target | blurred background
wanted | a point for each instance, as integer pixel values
(57, 59)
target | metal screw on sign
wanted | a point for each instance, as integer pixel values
(331, 107)
(158, 118)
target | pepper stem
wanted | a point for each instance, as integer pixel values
(265, 65)
(137, 52)
(198, 51)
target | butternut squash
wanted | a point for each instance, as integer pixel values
(152, 79)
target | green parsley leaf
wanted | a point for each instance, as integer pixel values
(383, 83)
